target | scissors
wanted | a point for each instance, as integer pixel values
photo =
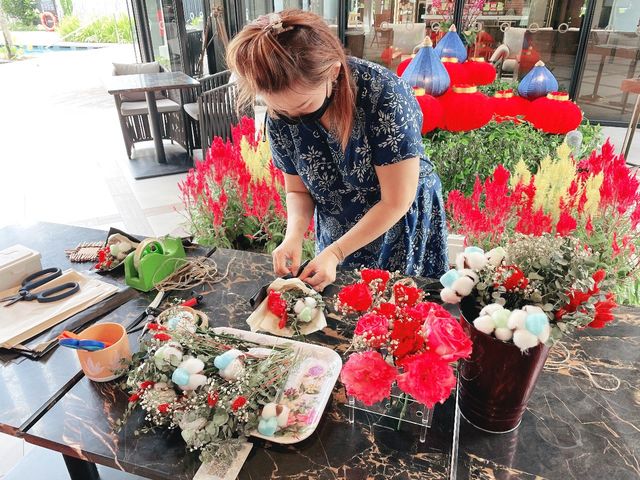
(38, 279)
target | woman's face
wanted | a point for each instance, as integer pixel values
(298, 101)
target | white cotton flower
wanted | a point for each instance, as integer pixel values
(192, 365)
(517, 319)
(463, 286)
(504, 334)
(524, 339)
(544, 335)
(495, 256)
(476, 260)
(485, 324)
(310, 302)
(299, 306)
(449, 296)
(233, 371)
(490, 309)
(195, 380)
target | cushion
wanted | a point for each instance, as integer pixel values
(192, 110)
(132, 69)
(514, 40)
(140, 108)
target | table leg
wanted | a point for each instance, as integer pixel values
(154, 121)
(80, 469)
(630, 74)
(596, 84)
(631, 130)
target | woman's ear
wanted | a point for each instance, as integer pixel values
(335, 70)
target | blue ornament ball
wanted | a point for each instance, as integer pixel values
(537, 83)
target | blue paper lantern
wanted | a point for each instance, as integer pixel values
(451, 46)
(537, 83)
(427, 72)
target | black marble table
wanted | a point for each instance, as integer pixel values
(571, 429)
(27, 386)
(81, 424)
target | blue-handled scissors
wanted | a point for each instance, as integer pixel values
(88, 345)
(38, 279)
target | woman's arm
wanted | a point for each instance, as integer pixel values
(398, 186)
(300, 207)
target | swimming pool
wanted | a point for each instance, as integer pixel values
(32, 50)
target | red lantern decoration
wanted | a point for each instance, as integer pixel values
(465, 109)
(508, 106)
(431, 111)
(457, 72)
(402, 66)
(555, 113)
(479, 72)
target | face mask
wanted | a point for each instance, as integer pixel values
(309, 117)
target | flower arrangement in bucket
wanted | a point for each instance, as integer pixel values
(561, 243)
(403, 347)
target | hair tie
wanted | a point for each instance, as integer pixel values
(273, 23)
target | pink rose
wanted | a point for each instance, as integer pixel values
(446, 337)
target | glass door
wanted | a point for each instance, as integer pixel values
(164, 24)
(613, 51)
(518, 33)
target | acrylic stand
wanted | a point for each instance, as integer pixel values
(398, 407)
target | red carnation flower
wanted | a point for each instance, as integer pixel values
(427, 378)
(516, 279)
(212, 399)
(387, 309)
(406, 337)
(380, 277)
(406, 295)
(163, 337)
(163, 407)
(238, 403)
(373, 328)
(357, 297)
(134, 398)
(278, 306)
(368, 377)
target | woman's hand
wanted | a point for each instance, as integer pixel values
(287, 256)
(321, 271)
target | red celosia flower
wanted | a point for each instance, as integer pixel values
(147, 384)
(134, 398)
(533, 223)
(238, 403)
(614, 245)
(406, 295)
(163, 337)
(212, 399)
(163, 407)
(427, 378)
(381, 277)
(368, 377)
(357, 297)
(566, 224)
(603, 314)
(373, 328)
(589, 227)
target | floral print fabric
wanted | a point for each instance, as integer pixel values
(344, 185)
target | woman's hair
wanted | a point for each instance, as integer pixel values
(293, 49)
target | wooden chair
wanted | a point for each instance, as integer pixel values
(218, 111)
(192, 109)
(385, 33)
(133, 111)
(631, 85)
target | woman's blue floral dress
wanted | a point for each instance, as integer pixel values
(344, 186)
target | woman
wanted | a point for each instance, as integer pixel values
(346, 134)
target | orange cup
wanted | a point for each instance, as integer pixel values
(103, 365)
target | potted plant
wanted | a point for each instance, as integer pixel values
(559, 243)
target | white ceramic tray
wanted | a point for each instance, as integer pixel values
(307, 389)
